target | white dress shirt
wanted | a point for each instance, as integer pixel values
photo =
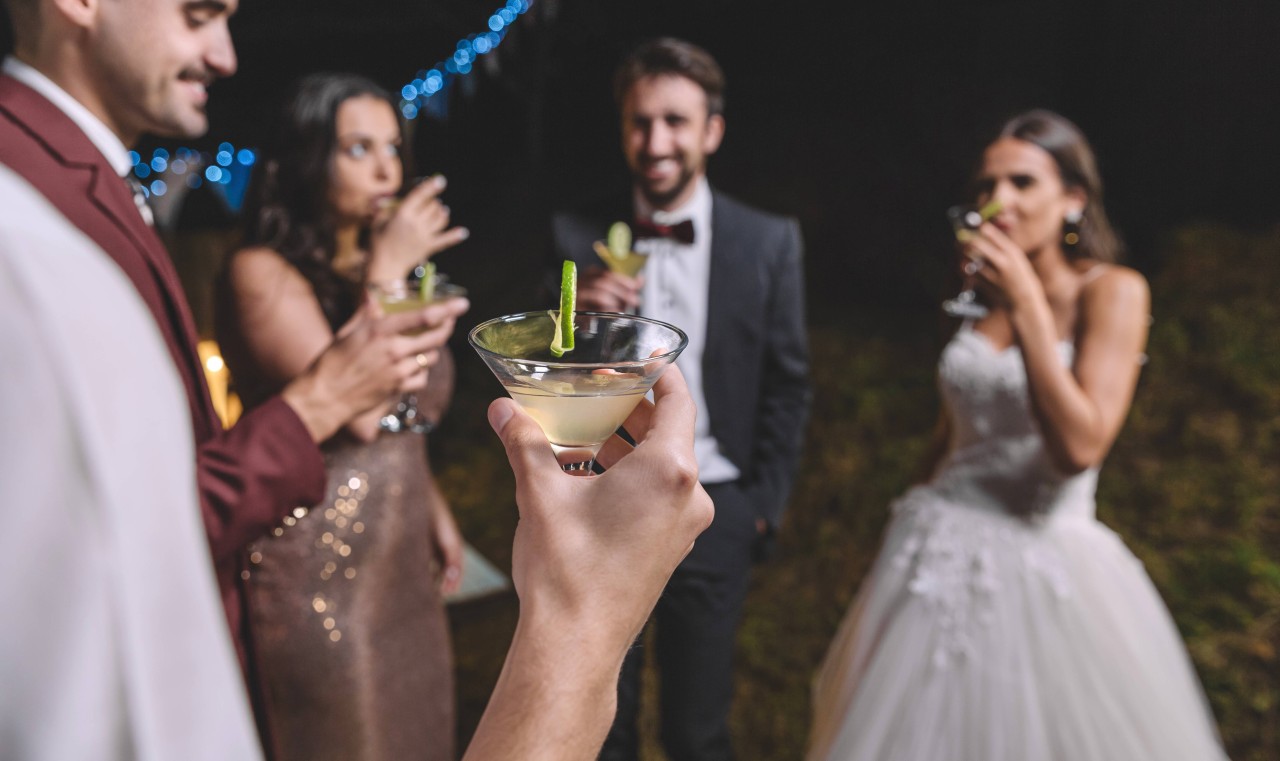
(114, 644)
(677, 279)
(106, 141)
(93, 128)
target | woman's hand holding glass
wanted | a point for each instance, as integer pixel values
(372, 357)
(966, 219)
(1001, 269)
(407, 296)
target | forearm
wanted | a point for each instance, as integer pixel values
(555, 698)
(250, 476)
(1069, 421)
(321, 412)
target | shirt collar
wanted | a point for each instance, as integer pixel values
(99, 134)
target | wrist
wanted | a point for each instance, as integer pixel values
(1027, 298)
(386, 262)
(1031, 316)
(569, 661)
(550, 701)
(321, 413)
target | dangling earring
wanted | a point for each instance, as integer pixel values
(1071, 228)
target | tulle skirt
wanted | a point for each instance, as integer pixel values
(980, 636)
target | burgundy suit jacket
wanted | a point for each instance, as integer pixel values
(248, 477)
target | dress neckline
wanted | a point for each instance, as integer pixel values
(1086, 277)
(990, 345)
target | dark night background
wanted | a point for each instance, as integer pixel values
(862, 121)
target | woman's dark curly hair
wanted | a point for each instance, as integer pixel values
(287, 207)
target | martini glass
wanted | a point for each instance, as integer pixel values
(965, 219)
(629, 264)
(406, 295)
(580, 398)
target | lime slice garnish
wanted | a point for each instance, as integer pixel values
(427, 286)
(562, 341)
(972, 220)
(619, 239)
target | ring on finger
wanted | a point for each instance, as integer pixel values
(972, 266)
(422, 360)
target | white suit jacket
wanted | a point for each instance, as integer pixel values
(113, 645)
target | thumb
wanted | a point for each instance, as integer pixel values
(526, 444)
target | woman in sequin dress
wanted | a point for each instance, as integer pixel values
(351, 655)
(1002, 621)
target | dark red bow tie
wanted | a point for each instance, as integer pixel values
(681, 231)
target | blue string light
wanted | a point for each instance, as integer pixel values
(228, 169)
(430, 82)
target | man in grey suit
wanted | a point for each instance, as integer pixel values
(731, 277)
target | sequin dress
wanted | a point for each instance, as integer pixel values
(350, 642)
(1001, 621)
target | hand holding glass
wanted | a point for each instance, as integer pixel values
(966, 219)
(580, 398)
(395, 296)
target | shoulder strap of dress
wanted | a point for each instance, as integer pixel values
(1093, 272)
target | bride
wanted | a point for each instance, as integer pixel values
(1001, 620)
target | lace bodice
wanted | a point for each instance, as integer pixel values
(998, 459)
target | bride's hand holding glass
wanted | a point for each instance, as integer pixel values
(965, 221)
(1002, 271)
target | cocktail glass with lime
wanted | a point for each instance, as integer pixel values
(406, 295)
(965, 221)
(581, 396)
(615, 251)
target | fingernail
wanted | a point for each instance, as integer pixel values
(440, 181)
(499, 415)
(463, 233)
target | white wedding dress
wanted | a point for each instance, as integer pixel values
(1002, 621)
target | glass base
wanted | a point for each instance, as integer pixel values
(405, 418)
(968, 308)
(579, 461)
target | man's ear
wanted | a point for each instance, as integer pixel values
(80, 13)
(715, 133)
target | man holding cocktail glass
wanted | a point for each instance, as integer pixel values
(731, 278)
(87, 78)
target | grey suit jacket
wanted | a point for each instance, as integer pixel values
(756, 361)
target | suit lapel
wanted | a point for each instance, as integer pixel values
(85, 189)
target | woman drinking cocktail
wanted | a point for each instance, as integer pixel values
(351, 650)
(1002, 621)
